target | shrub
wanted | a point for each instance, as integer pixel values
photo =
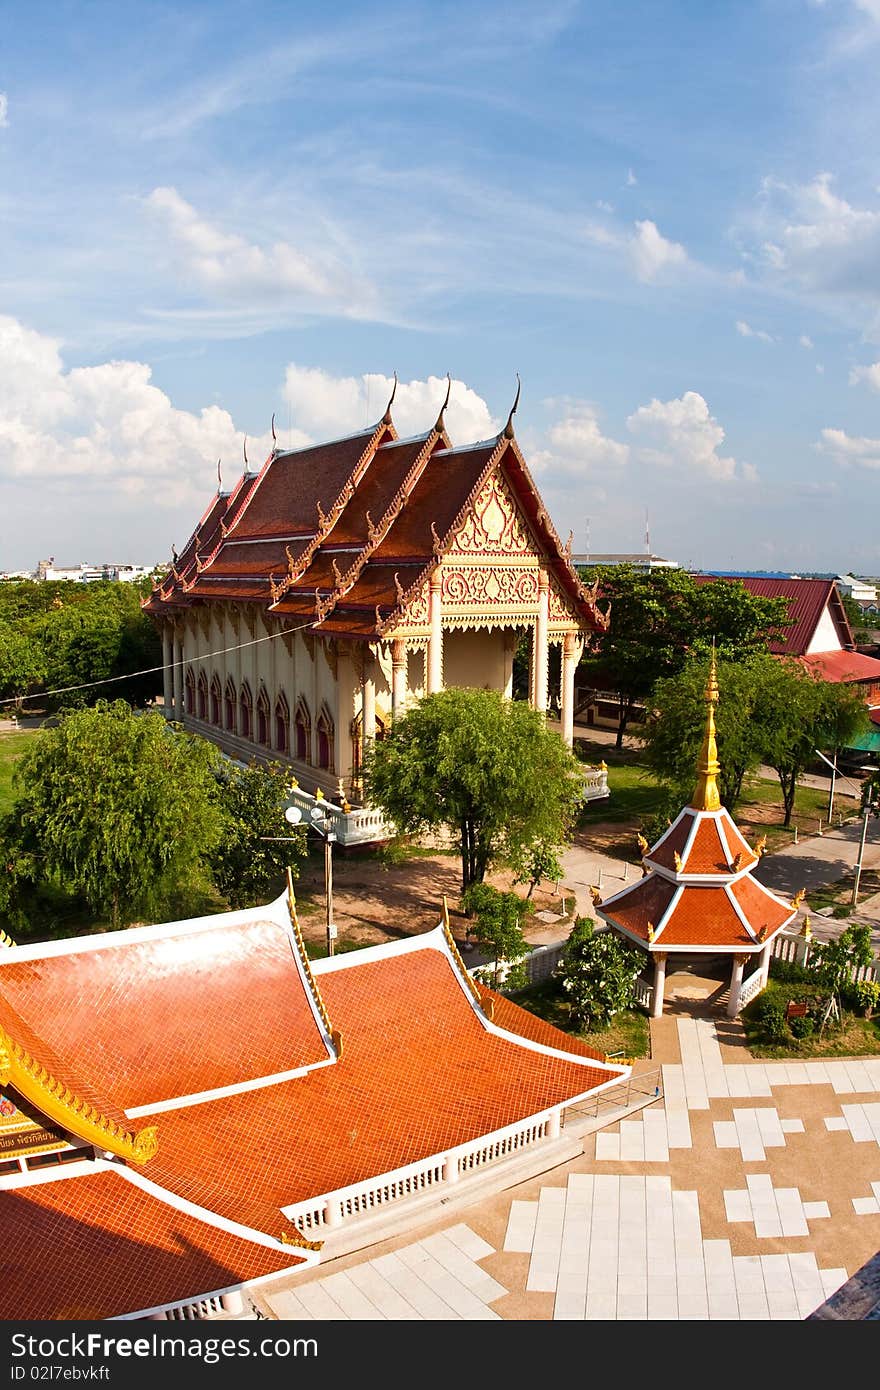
(771, 1019)
(865, 996)
(790, 972)
(498, 919)
(802, 1027)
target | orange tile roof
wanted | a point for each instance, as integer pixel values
(647, 901)
(704, 916)
(763, 910)
(96, 1246)
(663, 852)
(419, 1074)
(149, 1018)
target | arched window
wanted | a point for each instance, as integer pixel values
(282, 724)
(216, 700)
(229, 703)
(203, 695)
(302, 730)
(326, 732)
(245, 712)
(190, 692)
(263, 717)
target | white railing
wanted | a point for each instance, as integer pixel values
(317, 1217)
(644, 994)
(359, 826)
(751, 987)
(595, 782)
(796, 949)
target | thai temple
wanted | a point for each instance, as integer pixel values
(324, 592)
(192, 1109)
(698, 896)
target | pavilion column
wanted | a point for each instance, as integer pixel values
(435, 640)
(398, 677)
(569, 662)
(736, 979)
(765, 963)
(541, 642)
(167, 669)
(177, 649)
(659, 984)
(369, 708)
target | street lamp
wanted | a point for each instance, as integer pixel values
(323, 824)
(872, 807)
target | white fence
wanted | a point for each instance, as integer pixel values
(360, 826)
(796, 949)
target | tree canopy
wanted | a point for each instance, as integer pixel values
(486, 767)
(598, 973)
(249, 862)
(117, 806)
(770, 711)
(659, 618)
(54, 635)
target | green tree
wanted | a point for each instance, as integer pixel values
(659, 617)
(598, 973)
(497, 922)
(799, 714)
(835, 962)
(487, 767)
(247, 865)
(117, 806)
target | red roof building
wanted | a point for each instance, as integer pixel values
(344, 579)
(697, 896)
(191, 1108)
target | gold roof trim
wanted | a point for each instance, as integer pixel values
(706, 797)
(456, 954)
(4, 939)
(60, 1105)
(310, 979)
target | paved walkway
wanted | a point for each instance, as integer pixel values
(751, 1191)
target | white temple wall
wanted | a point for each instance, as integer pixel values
(477, 659)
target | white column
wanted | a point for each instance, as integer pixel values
(450, 1168)
(232, 1302)
(398, 677)
(167, 674)
(765, 963)
(659, 985)
(541, 642)
(736, 979)
(177, 649)
(369, 706)
(554, 1125)
(569, 662)
(435, 641)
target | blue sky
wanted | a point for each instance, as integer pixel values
(664, 217)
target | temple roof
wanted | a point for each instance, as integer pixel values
(322, 531)
(215, 1035)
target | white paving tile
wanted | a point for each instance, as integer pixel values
(792, 1126)
(836, 1122)
(521, 1227)
(383, 1295)
(865, 1206)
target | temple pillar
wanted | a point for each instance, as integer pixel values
(177, 649)
(765, 963)
(398, 677)
(569, 662)
(167, 670)
(659, 985)
(541, 626)
(435, 640)
(736, 979)
(368, 696)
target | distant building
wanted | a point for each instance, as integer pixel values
(48, 571)
(860, 590)
(638, 562)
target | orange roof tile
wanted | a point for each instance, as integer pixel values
(704, 916)
(763, 910)
(672, 842)
(96, 1246)
(647, 901)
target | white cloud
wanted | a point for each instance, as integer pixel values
(806, 342)
(225, 265)
(651, 252)
(631, 179)
(848, 450)
(813, 238)
(4, 110)
(603, 206)
(820, 369)
(684, 435)
(575, 446)
(326, 406)
(746, 331)
(870, 375)
(106, 427)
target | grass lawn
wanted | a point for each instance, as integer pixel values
(853, 1036)
(11, 748)
(629, 1034)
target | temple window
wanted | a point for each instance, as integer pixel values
(203, 695)
(282, 725)
(245, 710)
(263, 718)
(190, 693)
(302, 729)
(216, 701)
(325, 741)
(230, 703)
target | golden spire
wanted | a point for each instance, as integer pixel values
(706, 796)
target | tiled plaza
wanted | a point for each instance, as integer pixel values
(749, 1191)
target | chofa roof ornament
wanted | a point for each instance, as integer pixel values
(386, 418)
(439, 425)
(507, 432)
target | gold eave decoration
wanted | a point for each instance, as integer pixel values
(456, 956)
(4, 939)
(333, 1033)
(60, 1105)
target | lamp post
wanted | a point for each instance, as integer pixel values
(872, 807)
(320, 822)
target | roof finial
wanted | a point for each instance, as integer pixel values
(706, 796)
(508, 428)
(245, 451)
(439, 425)
(386, 418)
(274, 437)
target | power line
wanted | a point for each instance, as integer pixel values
(152, 670)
